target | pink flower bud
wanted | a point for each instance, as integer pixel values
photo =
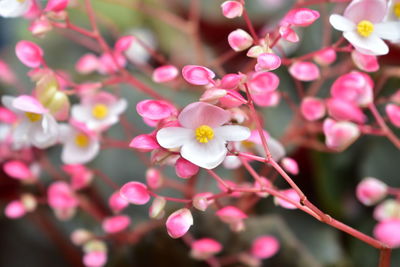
(80, 175)
(205, 248)
(87, 64)
(29, 53)
(304, 71)
(154, 178)
(368, 63)
(110, 63)
(312, 108)
(232, 99)
(201, 202)
(144, 143)
(388, 232)
(231, 81)
(393, 112)
(7, 116)
(264, 247)
(40, 26)
(343, 110)
(212, 95)
(179, 222)
(290, 194)
(80, 236)
(165, 74)
(95, 259)
(267, 99)
(116, 224)
(124, 43)
(325, 57)
(185, 169)
(117, 203)
(290, 165)
(265, 183)
(61, 196)
(17, 169)
(288, 34)
(197, 75)
(388, 209)
(135, 193)
(355, 87)
(267, 62)
(239, 40)
(15, 209)
(340, 135)
(232, 9)
(156, 210)
(262, 82)
(370, 191)
(56, 5)
(154, 109)
(301, 17)
(231, 214)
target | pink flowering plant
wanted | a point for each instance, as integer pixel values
(200, 133)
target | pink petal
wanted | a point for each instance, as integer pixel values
(116, 224)
(154, 109)
(301, 17)
(232, 9)
(15, 209)
(165, 74)
(179, 222)
(56, 5)
(17, 169)
(325, 56)
(263, 82)
(200, 113)
(265, 247)
(154, 178)
(290, 165)
(388, 232)
(291, 194)
(343, 110)
(61, 196)
(135, 192)
(124, 43)
(267, 99)
(393, 112)
(239, 40)
(117, 203)
(268, 62)
(372, 10)
(87, 64)
(144, 143)
(29, 53)
(185, 169)
(370, 191)
(312, 108)
(95, 259)
(197, 75)
(304, 71)
(368, 63)
(28, 104)
(288, 34)
(7, 116)
(230, 214)
(340, 135)
(205, 248)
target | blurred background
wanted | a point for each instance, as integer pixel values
(328, 179)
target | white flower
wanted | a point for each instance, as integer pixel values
(14, 8)
(203, 137)
(80, 145)
(99, 111)
(362, 26)
(36, 125)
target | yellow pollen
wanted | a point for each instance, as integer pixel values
(247, 144)
(100, 111)
(396, 10)
(204, 133)
(81, 140)
(33, 117)
(365, 28)
(21, 1)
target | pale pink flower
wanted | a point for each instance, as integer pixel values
(232, 9)
(62, 199)
(179, 222)
(370, 191)
(154, 178)
(155, 109)
(300, 17)
(110, 63)
(388, 232)
(267, 62)
(232, 216)
(344, 110)
(29, 53)
(290, 194)
(312, 108)
(205, 248)
(201, 201)
(115, 224)
(197, 75)
(362, 26)
(393, 112)
(39, 27)
(203, 137)
(165, 74)
(340, 135)
(368, 63)
(290, 165)
(265, 247)
(135, 193)
(14, 8)
(262, 82)
(99, 111)
(88, 63)
(239, 40)
(79, 174)
(304, 71)
(325, 56)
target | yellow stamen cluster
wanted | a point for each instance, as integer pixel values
(365, 28)
(99, 111)
(396, 10)
(82, 140)
(21, 1)
(33, 117)
(204, 134)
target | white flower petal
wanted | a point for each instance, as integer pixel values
(13, 8)
(7, 101)
(232, 132)
(72, 154)
(172, 137)
(45, 133)
(275, 148)
(388, 30)
(232, 162)
(81, 113)
(119, 107)
(206, 155)
(341, 23)
(372, 45)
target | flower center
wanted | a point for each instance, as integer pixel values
(396, 10)
(204, 133)
(81, 140)
(100, 111)
(365, 28)
(33, 117)
(21, 1)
